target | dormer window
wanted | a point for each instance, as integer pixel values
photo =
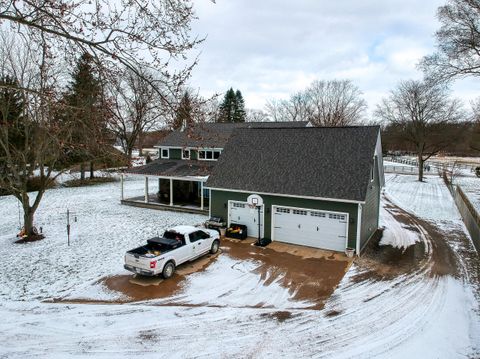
(185, 154)
(209, 155)
(165, 153)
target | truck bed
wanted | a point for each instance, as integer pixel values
(155, 247)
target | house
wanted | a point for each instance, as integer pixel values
(186, 158)
(320, 186)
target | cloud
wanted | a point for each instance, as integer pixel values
(270, 49)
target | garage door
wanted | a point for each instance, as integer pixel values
(241, 213)
(320, 229)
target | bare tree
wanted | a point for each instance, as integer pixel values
(323, 103)
(475, 135)
(135, 109)
(335, 103)
(257, 116)
(32, 144)
(421, 114)
(129, 34)
(296, 108)
(458, 42)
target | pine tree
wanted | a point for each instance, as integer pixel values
(85, 113)
(184, 114)
(232, 108)
(240, 114)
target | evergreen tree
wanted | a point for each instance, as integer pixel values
(184, 116)
(240, 114)
(85, 113)
(232, 108)
(11, 110)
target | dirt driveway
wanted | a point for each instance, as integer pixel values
(302, 274)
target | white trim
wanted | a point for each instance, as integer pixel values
(288, 195)
(121, 187)
(171, 192)
(274, 206)
(189, 154)
(164, 149)
(146, 189)
(212, 150)
(228, 214)
(192, 179)
(209, 204)
(359, 226)
(201, 195)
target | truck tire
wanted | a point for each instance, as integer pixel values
(215, 246)
(168, 270)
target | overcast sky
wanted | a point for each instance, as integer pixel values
(270, 49)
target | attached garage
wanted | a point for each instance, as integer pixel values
(313, 228)
(240, 213)
(320, 187)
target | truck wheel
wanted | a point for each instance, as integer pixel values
(168, 270)
(215, 246)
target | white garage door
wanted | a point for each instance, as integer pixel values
(241, 213)
(320, 229)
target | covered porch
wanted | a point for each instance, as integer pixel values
(185, 194)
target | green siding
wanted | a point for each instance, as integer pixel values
(193, 154)
(175, 154)
(219, 207)
(371, 208)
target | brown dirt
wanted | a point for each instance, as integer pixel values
(433, 255)
(306, 278)
(32, 238)
(280, 316)
(308, 274)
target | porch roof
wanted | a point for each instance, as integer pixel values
(175, 168)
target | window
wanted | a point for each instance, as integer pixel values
(282, 210)
(238, 205)
(165, 153)
(300, 212)
(185, 154)
(198, 235)
(209, 155)
(337, 216)
(317, 214)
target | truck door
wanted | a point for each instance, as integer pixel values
(200, 243)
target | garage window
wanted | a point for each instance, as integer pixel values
(282, 210)
(300, 212)
(336, 216)
(317, 214)
(238, 205)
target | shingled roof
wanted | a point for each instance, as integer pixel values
(216, 135)
(324, 162)
(175, 168)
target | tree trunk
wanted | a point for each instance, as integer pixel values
(28, 221)
(82, 171)
(92, 174)
(140, 144)
(129, 156)
(420, 168)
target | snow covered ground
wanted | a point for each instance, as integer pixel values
(471, 187)
(413, 314)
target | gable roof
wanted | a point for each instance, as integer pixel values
(320, 162)
(216, 135)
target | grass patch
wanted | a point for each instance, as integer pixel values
(89, 181)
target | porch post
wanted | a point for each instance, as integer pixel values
(121, 187)
(146, 189)
(171, 192)
(201, 195)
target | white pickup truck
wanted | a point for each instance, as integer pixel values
(161, 255)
